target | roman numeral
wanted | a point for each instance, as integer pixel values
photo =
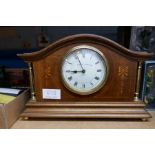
(91, 83)
(83, 85)
(75, 56)
(75, 84)
(70, 78)
(97, 62)
(83, 54)
(96, 78)
(99, 70)
(68, 62)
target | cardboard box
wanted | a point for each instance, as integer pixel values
(10, 112)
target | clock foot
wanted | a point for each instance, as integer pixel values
(144, 119)
(26, 118)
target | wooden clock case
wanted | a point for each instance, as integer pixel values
(118, 98)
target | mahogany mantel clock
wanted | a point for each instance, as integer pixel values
(85, 76)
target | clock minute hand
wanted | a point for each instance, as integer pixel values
(80, 64)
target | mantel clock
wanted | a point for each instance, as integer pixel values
(85, 76)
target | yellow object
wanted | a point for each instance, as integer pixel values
(4, 99)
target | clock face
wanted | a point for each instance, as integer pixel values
(84, 70)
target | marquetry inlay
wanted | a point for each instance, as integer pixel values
(48, 72)
(123, 71)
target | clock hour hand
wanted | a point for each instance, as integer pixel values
(75, 71)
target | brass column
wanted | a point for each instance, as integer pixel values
(136, 98)
(31, 82)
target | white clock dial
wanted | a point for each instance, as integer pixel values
(84, 70)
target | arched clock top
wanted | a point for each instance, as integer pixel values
(83, 39)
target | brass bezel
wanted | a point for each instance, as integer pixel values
(94, 89)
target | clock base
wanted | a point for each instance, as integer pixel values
(125, 110)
